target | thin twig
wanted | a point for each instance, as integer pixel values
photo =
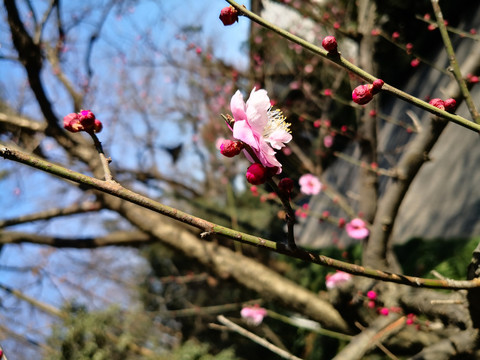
(255, 338)
(115, 189)
(454, 63)
(104, 160)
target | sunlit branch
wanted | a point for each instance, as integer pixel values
(238, 329)
(120, 238)
(52, 213)
(341, 61)
(209, 228)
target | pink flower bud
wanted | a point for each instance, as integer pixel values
(372, 295)
(438, 103)
(98, 126)
(230, 148)
(285, 185)
(256, 174)
(414, 63)
(362, 94)
(384, 311)
(377, 86)
(329, 43)
(228, 15)
(409, 48)
(450, 105)
(71, 122)
(395, 35)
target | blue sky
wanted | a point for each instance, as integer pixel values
(25, 191)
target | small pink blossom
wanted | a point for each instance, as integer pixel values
(372, 295)
(310, 184)
(328, 141)
(253, 314)
(334, 280)
(357, 229)
(260, 127)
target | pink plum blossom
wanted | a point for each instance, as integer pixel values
(328, 141)
(309, 184)
(253, 314)
(334, 280)
(260, 127)
(357, 229)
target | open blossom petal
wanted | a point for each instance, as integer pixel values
(242, 131)
(237, 106)
(260, 127)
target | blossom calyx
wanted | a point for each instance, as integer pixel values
(256, 174)
(362, 94)
(329, 43)
(230, 148)
(228, 15)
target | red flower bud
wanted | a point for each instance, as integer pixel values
(256, 174)
(98, 126)
(228, 15)
(329, 43)
(71, 122)
(438, 103)
(377, 86)
(230, 148)
(414, 63)
(362, 94)
(285, 185)
(450, 105)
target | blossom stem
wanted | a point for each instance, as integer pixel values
(341, 61)
(285, 202)
(115, 189)
(103, 159)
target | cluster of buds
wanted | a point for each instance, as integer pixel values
(363, 94)
(85, 120)
(447, 105)
(256, 174)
